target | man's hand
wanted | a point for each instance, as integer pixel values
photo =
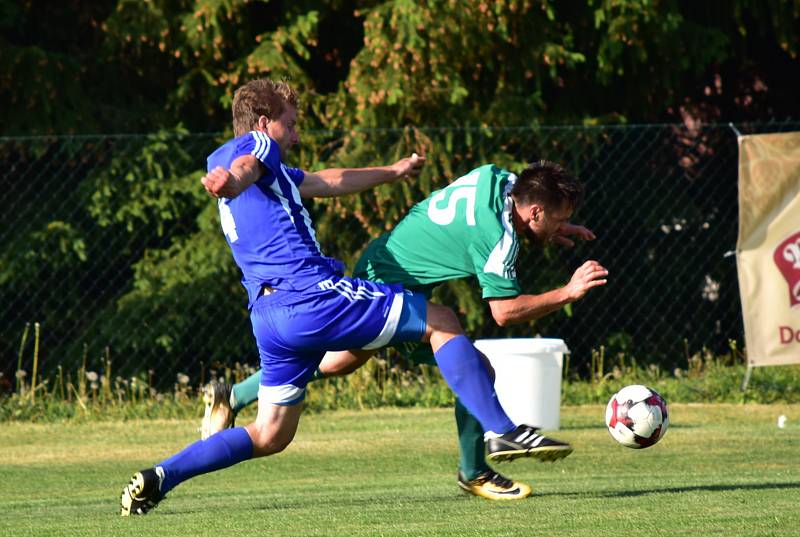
(590, 274)
(562, 235)
(220, 183)
(409, 166)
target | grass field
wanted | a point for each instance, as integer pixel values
(720, 470)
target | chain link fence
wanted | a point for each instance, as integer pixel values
(111, 247)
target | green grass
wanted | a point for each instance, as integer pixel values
(722, 469)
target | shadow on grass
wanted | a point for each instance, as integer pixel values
(299, 502)
(678, 490)
(601, 426)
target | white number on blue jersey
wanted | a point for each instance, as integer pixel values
(226, 219)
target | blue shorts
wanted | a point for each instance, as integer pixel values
(294, 329)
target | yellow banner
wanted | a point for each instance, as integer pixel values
(768, 249)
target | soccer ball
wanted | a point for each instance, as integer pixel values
(637, 416)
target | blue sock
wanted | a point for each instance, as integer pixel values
(462, 368)
(226, 448)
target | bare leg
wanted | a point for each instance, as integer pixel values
(442, 326)
(335, 364)
(465, 369)
(274, 427)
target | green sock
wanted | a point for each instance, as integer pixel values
(318, 375)
(246, 392)
(470, 440)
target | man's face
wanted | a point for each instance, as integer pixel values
(282, 130)
(541, 224)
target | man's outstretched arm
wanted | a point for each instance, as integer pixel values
(246, 170)
(340, 181)
(522, 308)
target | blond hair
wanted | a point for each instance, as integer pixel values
(261, 97)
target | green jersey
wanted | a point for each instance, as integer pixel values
(464, 229)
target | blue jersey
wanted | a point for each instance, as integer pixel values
(268, 229)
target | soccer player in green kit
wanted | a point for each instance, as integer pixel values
(469, 228)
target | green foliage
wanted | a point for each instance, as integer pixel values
(705, 377)
(58, 246)
(478, 68)
(147, 185)
(282, 51)
(480, 63)
(121, 227)
(128, 65)
(51, 93)
(378, 384)
(197, 271)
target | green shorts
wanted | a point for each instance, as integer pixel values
(415, 352)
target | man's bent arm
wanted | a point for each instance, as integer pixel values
(522, 308)
(222, 183)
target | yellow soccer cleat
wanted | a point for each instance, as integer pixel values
(493, 486)
(218, 413)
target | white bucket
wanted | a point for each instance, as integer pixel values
(527, 377)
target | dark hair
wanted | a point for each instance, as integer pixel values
(549, 184)
(261, 97)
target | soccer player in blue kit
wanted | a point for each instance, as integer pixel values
(301, 305)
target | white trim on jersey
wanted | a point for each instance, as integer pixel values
(261, 150)
(298, 200)
(345, 288)
(226, 220)
(276, 189)
(389, 329)
(280, 395)
(502, 259)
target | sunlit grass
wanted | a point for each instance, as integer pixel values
(722, 469)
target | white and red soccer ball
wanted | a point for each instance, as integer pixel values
(637, 416)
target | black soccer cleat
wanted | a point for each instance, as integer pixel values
(143, 493)
(524, 441)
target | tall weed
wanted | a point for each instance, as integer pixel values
(89, 394)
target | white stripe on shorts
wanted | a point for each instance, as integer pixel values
(392, 320)
(345, 288)
(280, 395)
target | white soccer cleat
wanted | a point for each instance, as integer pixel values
(218, 414)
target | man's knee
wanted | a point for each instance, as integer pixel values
(274, 427)
(268, 440)
(443, 319)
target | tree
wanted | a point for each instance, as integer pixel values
(451, 78)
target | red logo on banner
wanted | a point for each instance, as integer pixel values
(787, 257)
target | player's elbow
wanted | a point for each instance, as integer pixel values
(501, 317)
